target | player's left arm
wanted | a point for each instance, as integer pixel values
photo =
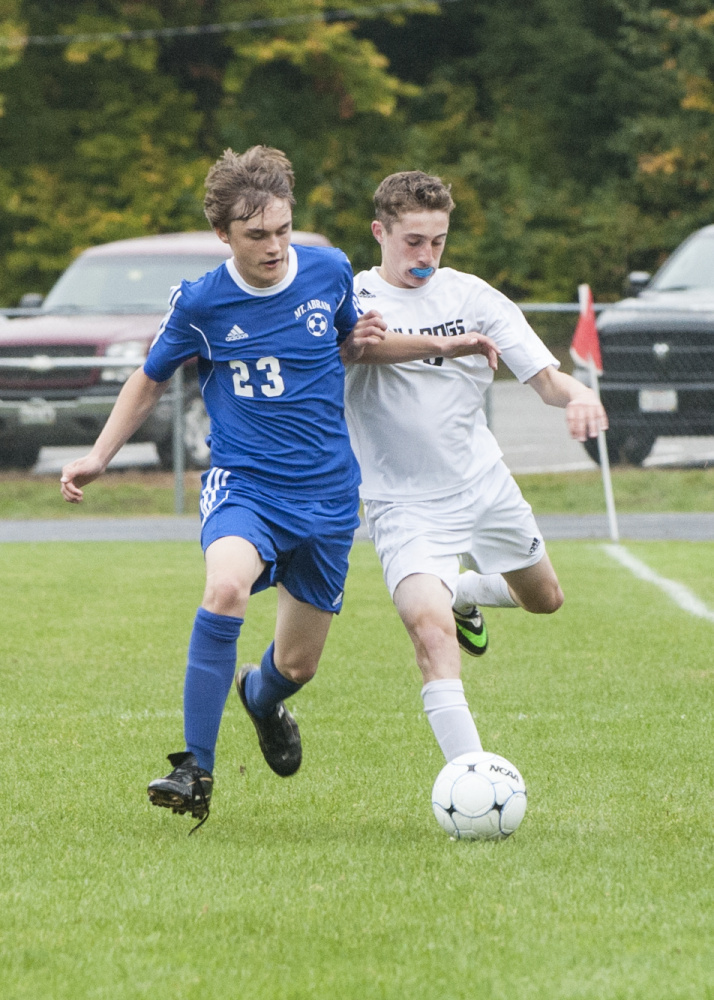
(584, 412)
(372, 343)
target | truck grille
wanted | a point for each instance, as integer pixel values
(658, 356)
(54, 378)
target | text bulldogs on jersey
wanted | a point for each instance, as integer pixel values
(451, 328)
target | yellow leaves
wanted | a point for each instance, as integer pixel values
(666, 163)
(699, 94)
(322, 195)
(76, 54)
(141, 54)
(12, 46)
(350, 68)
(705, 21)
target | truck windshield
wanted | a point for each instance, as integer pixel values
(138, 283)
(692, 266)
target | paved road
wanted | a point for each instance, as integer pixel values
(533, 438)
(648, 527)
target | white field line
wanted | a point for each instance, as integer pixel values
(676, 592)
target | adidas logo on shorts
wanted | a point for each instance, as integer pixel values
(534, 546)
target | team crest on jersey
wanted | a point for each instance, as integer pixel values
(317, 324)
(236, 333)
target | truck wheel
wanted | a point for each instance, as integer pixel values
(631, 447)
(636, 447)
(196, 429)
(19, 454)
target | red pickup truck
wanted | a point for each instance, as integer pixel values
(106, 306)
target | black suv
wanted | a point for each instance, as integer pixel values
(658, 354)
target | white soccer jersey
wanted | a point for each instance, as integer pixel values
(418, 428)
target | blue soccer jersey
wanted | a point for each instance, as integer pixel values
(269, 370)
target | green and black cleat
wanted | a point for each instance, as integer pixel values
(471, 632)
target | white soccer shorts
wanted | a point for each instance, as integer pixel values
(489, 528)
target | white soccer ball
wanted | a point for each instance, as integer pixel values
(479, 796)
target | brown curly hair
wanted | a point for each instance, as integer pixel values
(410, 191)
(238, 186)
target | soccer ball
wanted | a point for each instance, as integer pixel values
(479, 796)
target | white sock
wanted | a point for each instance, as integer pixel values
(449, 717)
(489, 591)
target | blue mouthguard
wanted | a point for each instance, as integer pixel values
(421, 272)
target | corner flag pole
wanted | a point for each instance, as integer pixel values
(605, 464)
(586, 346)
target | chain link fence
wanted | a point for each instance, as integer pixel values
(657, 385)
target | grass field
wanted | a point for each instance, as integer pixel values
(338, 883)
(134, 493)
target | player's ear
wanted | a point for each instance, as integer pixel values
(377, 230)
(222, 235)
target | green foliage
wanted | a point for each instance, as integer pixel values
(578, 135)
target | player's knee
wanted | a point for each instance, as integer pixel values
(298, 666)
(430, 635)
(226, 596)
(547, 601)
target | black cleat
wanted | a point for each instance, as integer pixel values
(471, 632)
(278, 734)
(187, 789)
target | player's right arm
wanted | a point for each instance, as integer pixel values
(138, 397)
(175, 342)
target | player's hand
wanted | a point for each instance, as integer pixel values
(586, 417)
(370, 329)
(77, 474)
(471, 343)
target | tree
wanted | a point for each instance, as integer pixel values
(577, 134)
(107, 138)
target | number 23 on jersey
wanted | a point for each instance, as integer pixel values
(272, 382)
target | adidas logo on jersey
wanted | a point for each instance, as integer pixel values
(236, 334)
(365, 294)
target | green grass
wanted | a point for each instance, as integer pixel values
(338, 883)
(117, 494)
(147, 494)
(636, 491)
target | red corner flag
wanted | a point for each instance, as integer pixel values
(586, 343)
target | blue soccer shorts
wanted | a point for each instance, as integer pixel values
(305, 544)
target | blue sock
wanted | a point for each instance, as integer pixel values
(264, 688)
(209, 675)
